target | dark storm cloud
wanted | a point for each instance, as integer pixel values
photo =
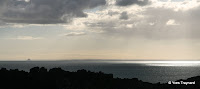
(131, 2)
(45, 11)
(123, 16)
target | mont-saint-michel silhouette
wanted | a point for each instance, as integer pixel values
(28, 59)
(57, 78)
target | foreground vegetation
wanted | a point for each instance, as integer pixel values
(56, 78)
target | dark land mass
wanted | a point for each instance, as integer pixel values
(56, 78)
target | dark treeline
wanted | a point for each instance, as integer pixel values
(56, 78)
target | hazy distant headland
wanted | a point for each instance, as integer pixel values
(57, 78)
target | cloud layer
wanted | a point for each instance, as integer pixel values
(131, 2)
(158, 20)
(26, 38)
(45, 11)
(75, 34)
(125, 29)
(151, 19)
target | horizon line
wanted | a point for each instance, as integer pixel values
(101, 60)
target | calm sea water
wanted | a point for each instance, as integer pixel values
(148, 71)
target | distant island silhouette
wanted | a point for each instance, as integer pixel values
(57, 78)
(28, 59)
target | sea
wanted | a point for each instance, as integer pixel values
(147, 71)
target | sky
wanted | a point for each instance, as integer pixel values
(100, 29)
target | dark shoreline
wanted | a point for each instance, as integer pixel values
(57, 78)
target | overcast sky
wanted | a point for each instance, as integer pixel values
(100, 29)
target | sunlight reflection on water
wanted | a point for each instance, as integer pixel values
(162, 63)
